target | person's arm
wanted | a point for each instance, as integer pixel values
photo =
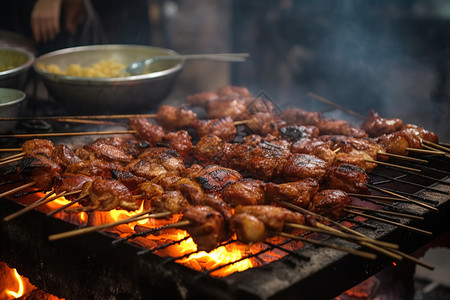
(74, 13)
(45, 19)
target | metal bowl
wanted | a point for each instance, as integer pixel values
(93, 95)
(10, 104)
(14, 66)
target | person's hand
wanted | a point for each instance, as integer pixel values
(74, 12)
(45, 19)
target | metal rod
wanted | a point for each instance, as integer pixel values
(148, 250)
(386, 212)
(411, 183)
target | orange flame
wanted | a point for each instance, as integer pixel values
(21, 288)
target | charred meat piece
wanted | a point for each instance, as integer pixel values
(233, 108)
(64, 156)
(394, 143)
(39, 169)
(190, 189)
(315, 146)
(207, 227)
(348, 178)
(375, 125)
(209, 150)
(156, 161)
(147, 131)
(99, 149)
(150, 189)
(214, 178)
(258, 105)
(300, 166)
(357, 159)
(38, 147)
(68, 182)
(233, 91)
(297, 116)
(419, 133)
(299, 132)
(107, 194)
(298, 193)
(329, 203)
(171, 117)
(244, 192)
(180, 141)
(263, 123)
(223, 128)
(130, 180)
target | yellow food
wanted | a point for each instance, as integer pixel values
(104, 68)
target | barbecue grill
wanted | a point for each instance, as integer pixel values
(100, 265)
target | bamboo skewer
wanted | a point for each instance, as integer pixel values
(324, 100)
(57, 134)
(388, 222)
(392, 165)
(13, 156)
(386, 212)
(403, 198)
(95, 117)
(434, 145)
(424, 151)
(373, 197)
(17, 189)
(5, 162)
(89, 229)
(10, 149)
(66, 205)
(329, 245)
(340, 234)
(418, 160)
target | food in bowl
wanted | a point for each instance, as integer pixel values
(101, 69)
(14, 65)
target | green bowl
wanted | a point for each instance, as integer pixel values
(10, 104)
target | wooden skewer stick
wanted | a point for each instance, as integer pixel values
(13, 156)
(388, 222)
(85, 121)
(418, 160)
(322, 99)
(89, 229)
(435, 145)
(403, 198)
(424, 151)
(329, 245)
(10, 149)
(95, 117)
(47, 198)
(373, 197)
(385, 212)
(17, 189)
(10, 161)
(340, 234)
(392, 165)
(66, 205)
(56, 134)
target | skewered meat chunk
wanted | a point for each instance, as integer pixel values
(300, 166)
(101, 150)
(147, 131)
(299, 192)
(233, 91)
(208, 227)
(329, 203)
(348, 178)
(216, 202)
(258, 105)
(356, 159)
(263, 123)
(339, 127)
(38, 146)
(209, 150)
(223, 128)
(172, 201)
(420, 133)
(394, 143)
(107, 194)
(171, 117)
(150, 189)
(297, 116)
(95, 167)
(39, 169)
(244, 192)
(180, 141)
(247, 221)
(68, 182)
(64, 156)
(156, 161)
(200, 99)
(316, 147)
(232, 108)
(214, 178)
(190, 189)
(375, 125)
(130, 180)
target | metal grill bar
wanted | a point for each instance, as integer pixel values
(396, 179)
(148, 250)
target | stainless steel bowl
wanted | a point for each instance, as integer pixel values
(10, 105)
(92, 95)
(14, 66)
